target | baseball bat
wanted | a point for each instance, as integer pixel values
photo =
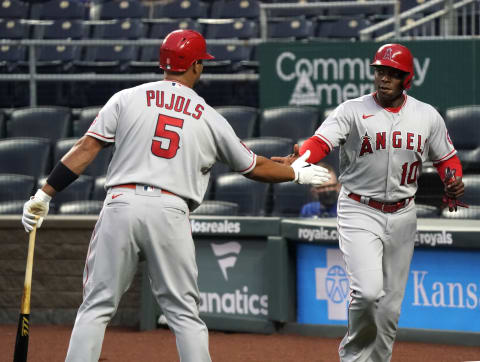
(23, 330)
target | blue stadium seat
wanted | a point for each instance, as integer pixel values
(228, 58)
(290, 122)
(43, 122)
(343, 28)
(288, 199)
(212, 207)
(81, 207)
(231, 28)
(60, 29)
(2, 124)
(14, 9)
(49, 55)
(251, 196)
(298, 27)
(99, 193)
(12, 207)
(408, 4)
(241, 118)
(79, 190)
(473, 212)
(113, 53)
(160, 28)
(99, 165)
(430, 188)
(118, 29)
(25, 156)
(107, 59)
(220, 168)
(472, 189)
(13, 29)
(233, 53)
(10, 56)
(352, 10)
(58, 9)
(16, 187)
(427, 211)
(12, 93)
(181, 9)
(86, 117)
(270, 146)
(118, 10)
(235, 9)
(463, 124)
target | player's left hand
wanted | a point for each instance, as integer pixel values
(35, 210)
(454, 188)
(291, 158)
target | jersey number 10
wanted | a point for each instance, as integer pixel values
(412, 173)
(172, 136)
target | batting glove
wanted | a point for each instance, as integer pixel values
(447, 200)
(306, 173)
(38, 205)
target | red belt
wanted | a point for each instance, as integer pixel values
(387, 207)
(134, 186)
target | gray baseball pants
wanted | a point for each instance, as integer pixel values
(136, 222)
(377, 248)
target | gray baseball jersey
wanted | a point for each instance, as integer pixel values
(177, 139)
(381, 156)
(381, 152)
(166, 139)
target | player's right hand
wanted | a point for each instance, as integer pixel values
(288, 160)
(306, 173)
(454, 188)
(38, 205)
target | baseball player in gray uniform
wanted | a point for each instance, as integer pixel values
(166, 141)
(384, 139)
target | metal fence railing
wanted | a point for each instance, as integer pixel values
(441, 23)
(33, 76)
(265, 8)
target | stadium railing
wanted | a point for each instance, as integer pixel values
(465, 11)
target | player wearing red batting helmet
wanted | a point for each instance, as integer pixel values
(394, 72)
(384, 138)
(398, 57)
(181, 48)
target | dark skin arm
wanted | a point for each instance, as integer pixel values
(288, 160)
(78, 158)
(268, 171)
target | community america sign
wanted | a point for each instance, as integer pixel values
(326, 74)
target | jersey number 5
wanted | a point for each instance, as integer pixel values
(170, 135)
(412, 173)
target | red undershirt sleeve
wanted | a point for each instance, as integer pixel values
(318, 148)
(453, 163)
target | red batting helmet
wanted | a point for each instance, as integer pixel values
(396, 56)
(181, 48)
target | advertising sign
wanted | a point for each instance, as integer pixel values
(442, 292)
(322, 285)
(230, 278)
(325, 74)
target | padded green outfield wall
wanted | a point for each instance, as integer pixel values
(324, 74)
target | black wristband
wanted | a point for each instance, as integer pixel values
(61, 176)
